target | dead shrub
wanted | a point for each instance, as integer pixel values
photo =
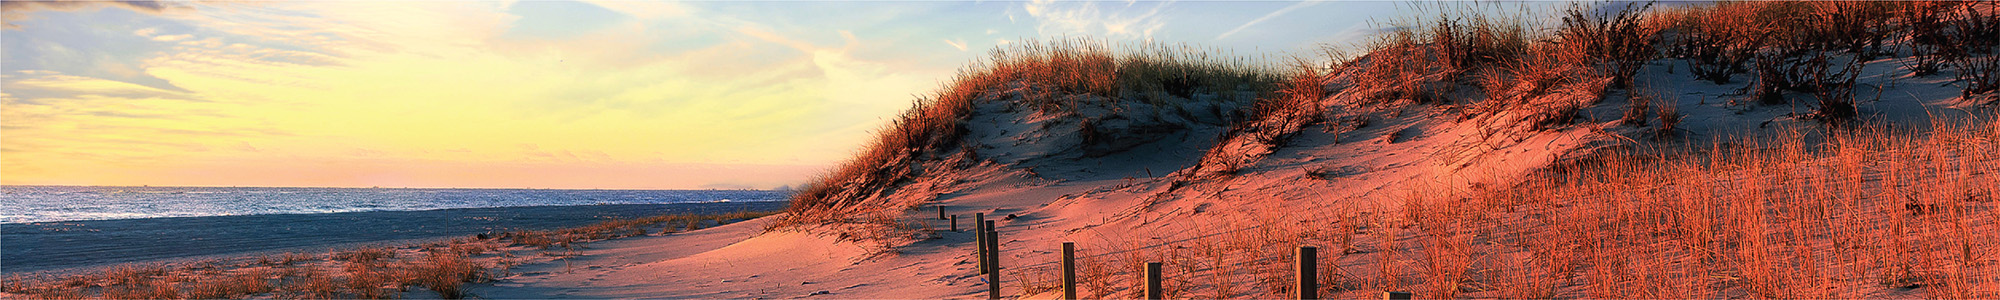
(1717, 41)
(1615, 45)
(1973, 36)
(1928, 35)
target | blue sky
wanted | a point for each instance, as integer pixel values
(562, 94)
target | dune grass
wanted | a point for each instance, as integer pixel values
(1873, 212)
(1513, 70)
(1870, 213)
(1045, 75)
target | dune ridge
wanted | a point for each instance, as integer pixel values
(1780, 149)
(1757, 149)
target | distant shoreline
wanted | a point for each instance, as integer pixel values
(380, 187)
(74, 246)
(37, 204)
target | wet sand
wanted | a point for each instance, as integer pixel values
(64, 247)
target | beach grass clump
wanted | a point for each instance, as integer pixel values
(239, 285)
(1420, 60)
(1538, 74)
(445, 273)
(1048, 76)
(1544, 75)
(369, 279)
(310, 284)
(365, 254)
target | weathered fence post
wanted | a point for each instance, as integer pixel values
(1388, 295)
(954, 223)
(979, 234)
(993, 262)
(992, 248)
(940, 212)
(1069, 270)
(1308, 272)
(1153, 290)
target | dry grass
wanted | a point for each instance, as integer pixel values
(240, 285)
(1533, 75)
(1869, 213)
(1818, 48)
(1054, 77)
(311, 284)
(444, 273)
(1743, 220)
(623, 228)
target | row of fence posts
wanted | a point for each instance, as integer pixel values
(988, 241)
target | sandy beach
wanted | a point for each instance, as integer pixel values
(80, 245)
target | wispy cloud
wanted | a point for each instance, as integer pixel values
(33, 5)
(1273, 14)
(14, 10)
(956, 44)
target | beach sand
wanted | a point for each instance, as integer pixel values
(65, 247)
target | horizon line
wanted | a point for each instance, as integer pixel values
(405, 187)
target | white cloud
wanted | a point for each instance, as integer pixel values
(1086, 18)
(644, 9)
(170, 38)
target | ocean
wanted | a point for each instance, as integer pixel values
(60, 228)
(33, 204)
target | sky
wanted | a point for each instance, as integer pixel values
(529, 94)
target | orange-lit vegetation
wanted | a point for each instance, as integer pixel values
(1506, 71)
(1846, 210)
(1867, 214)
(1047, 75)
(614, 229)
(363, 273)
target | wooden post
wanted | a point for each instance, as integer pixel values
(954, 223)
(1153, 290)
(979, 235)
(992, 262)
(1308, 272)
(1069, 271)
(1387, 295)
(940, 212)
(992, 248)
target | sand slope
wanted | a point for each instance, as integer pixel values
(1131, 201)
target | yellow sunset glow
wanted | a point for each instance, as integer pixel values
(546, 94)
(376, 99)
